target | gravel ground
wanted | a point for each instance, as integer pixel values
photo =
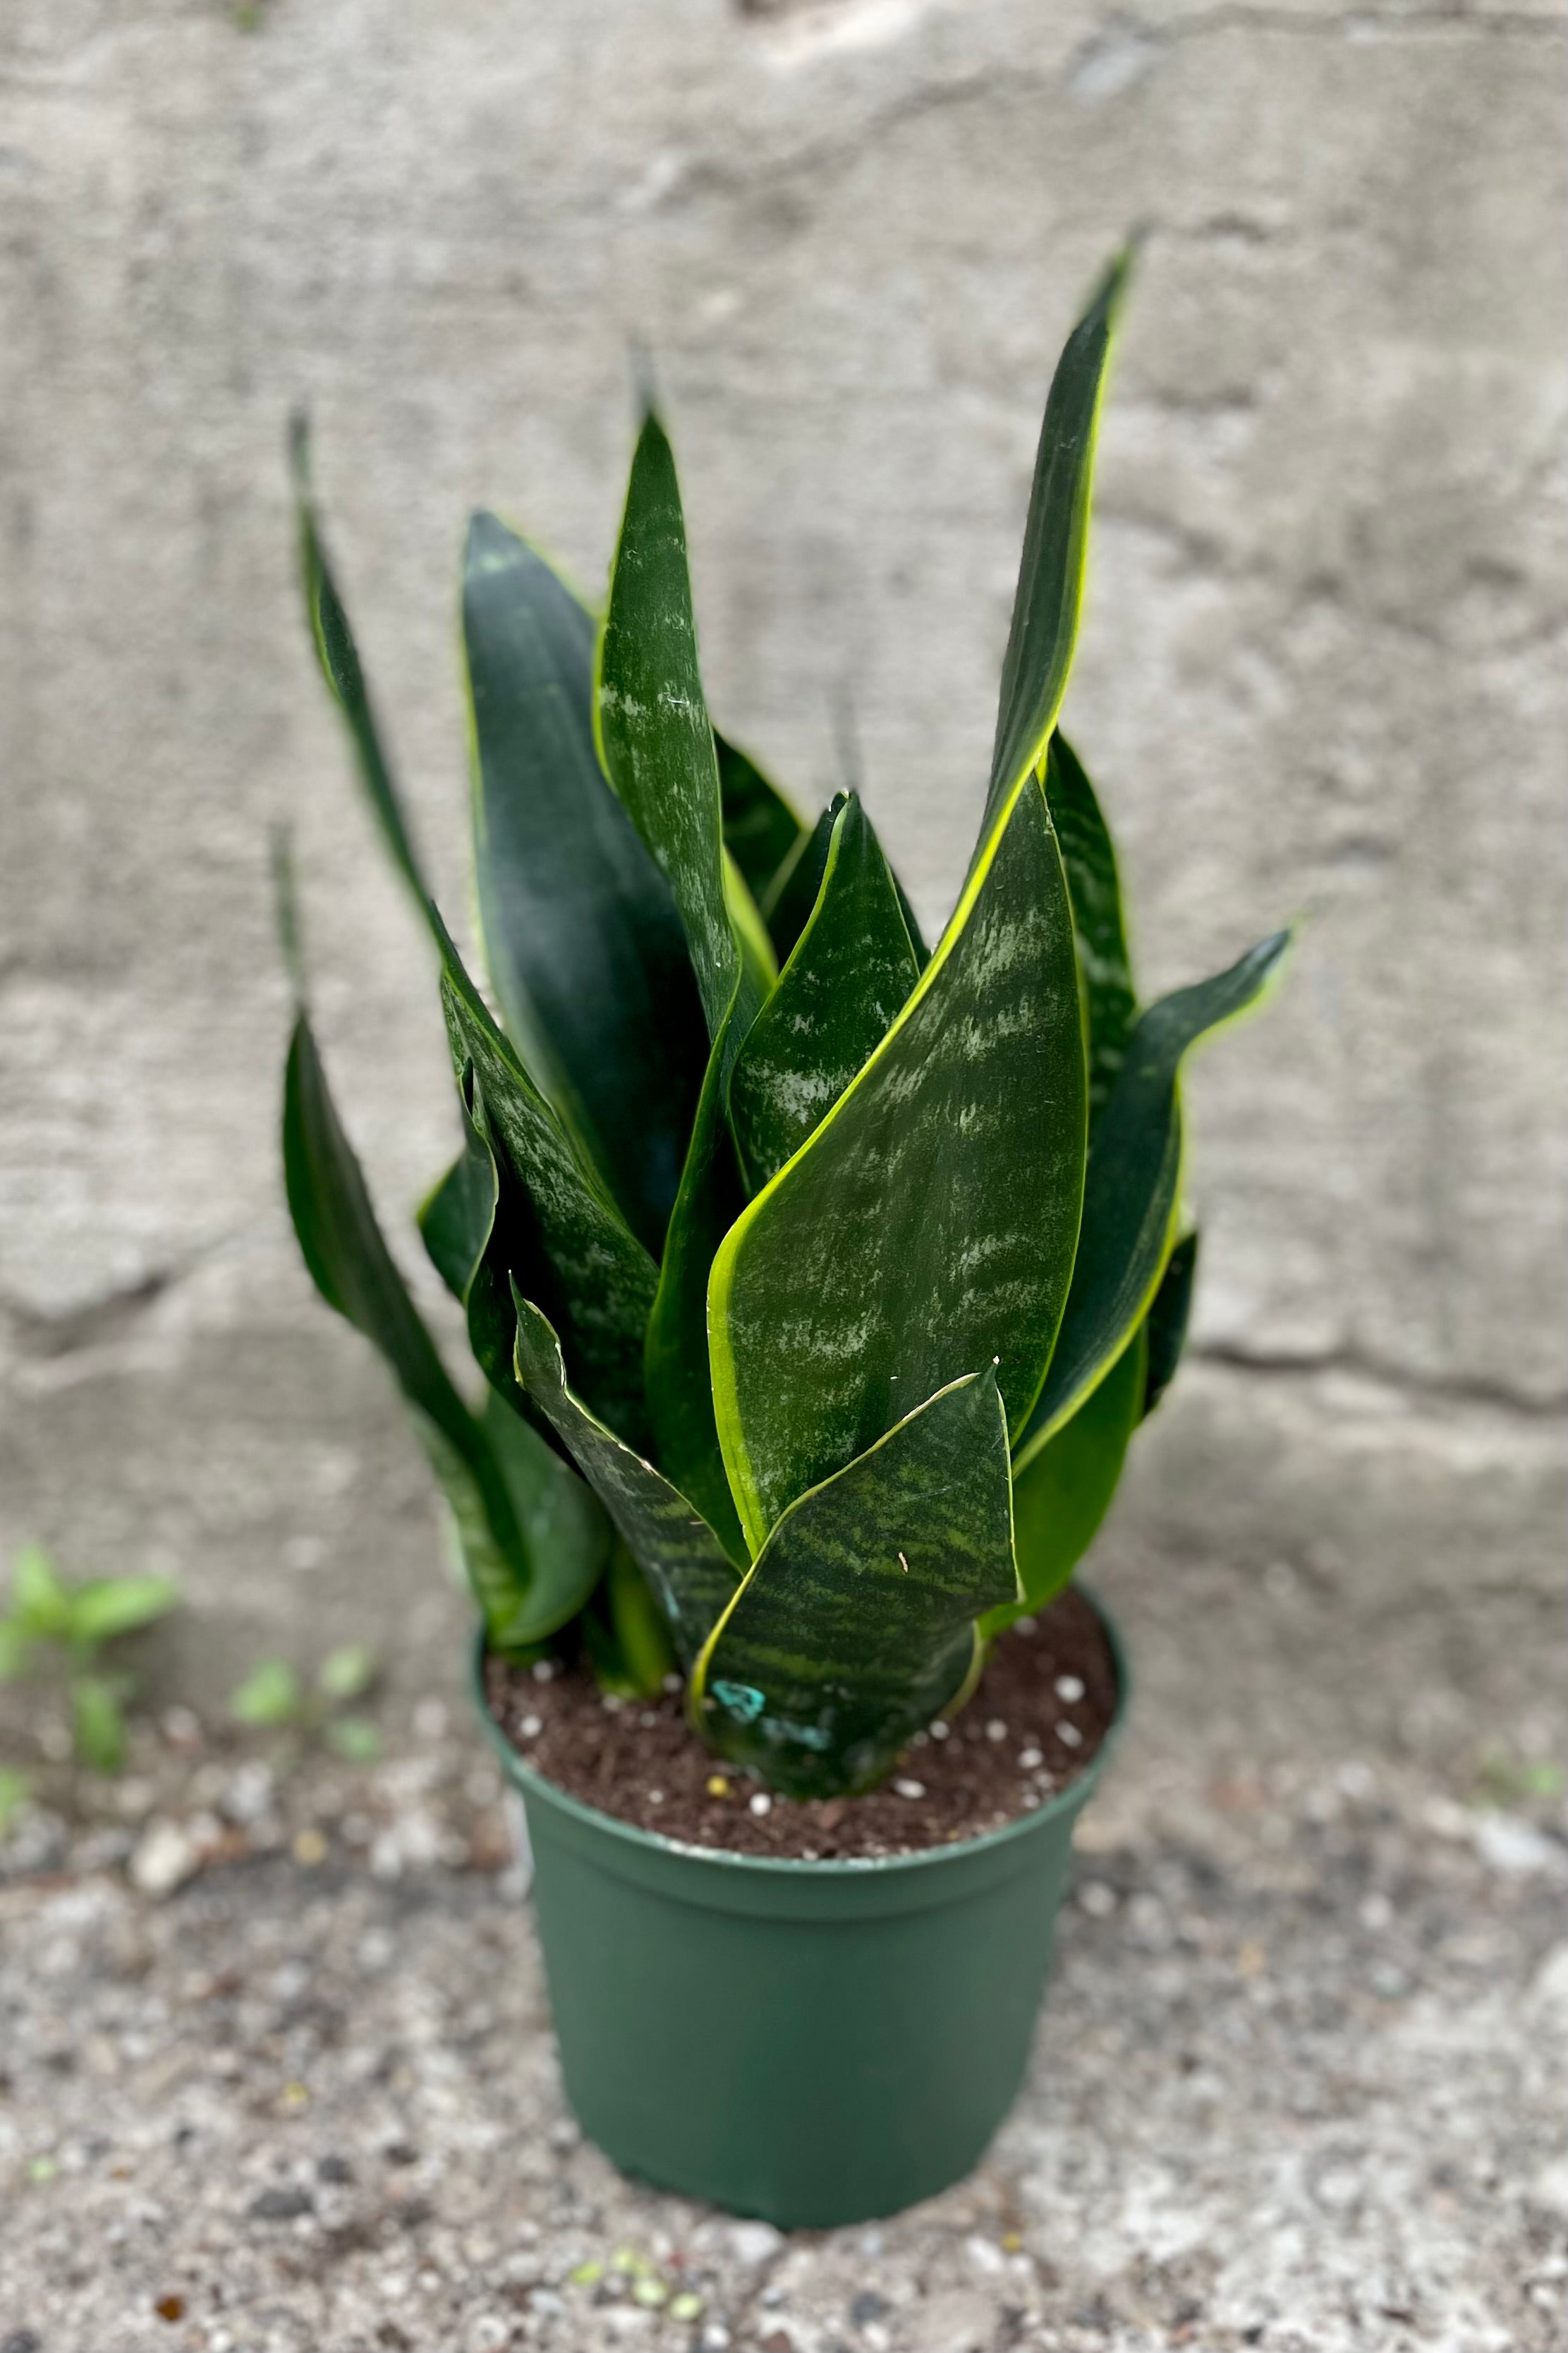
(275, 2073)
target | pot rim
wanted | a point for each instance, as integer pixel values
(822, 1868)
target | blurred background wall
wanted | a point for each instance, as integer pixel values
(1321, 676)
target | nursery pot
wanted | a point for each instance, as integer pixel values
(814, 2042)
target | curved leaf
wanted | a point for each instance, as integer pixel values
(1050, 575)
(585, 944)
(651, 719)
(1133, 1186)
(355, 1272)
(658, 751)
(930, 1220)
(851, 971)
(673, 1545)
(455, 1217)
(1105, 969)
(1065, 1491)
(797, 885)
(675, 1358)
(1166, 1322)
(340, 661)
(856, 1626)
(599, 1282)
(761, 830)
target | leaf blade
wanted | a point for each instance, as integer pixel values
(856, 1625)
(651, 719)
(849, 974)
(930, 1220)
(1166, 1322)
(1133, 1187)
(584, 940)
(1104, 964)
(760, 828)
(673, 1545)
(1050, 574)
(1061, 1497)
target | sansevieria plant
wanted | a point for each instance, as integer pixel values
(818, 1280)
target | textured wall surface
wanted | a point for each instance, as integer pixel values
(1320, 674)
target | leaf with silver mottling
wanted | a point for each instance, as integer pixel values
(857, 1624)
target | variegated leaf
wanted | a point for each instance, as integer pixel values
(1111, 1005)
(671, 1542)
(931, 1221)
(849, 973)
(856, 1626)
(585, 944)
(1133, 1187)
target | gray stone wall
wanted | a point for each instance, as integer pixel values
(1321, 676)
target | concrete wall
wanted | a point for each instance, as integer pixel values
(1320, 674)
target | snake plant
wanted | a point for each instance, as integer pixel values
(818, 1280)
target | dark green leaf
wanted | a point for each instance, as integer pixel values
(601, 1279)
(1166, 1322)
(597, 1280)
(585, 943)
(108, 1606)
(912, 925)
(857, 1624)
(1133, 1186)
(1050, 575)
(761, 830)
(454, 1220)
(673, 1545)
(340, 661)
(794, 894)
(652, 721)
(851, 971)
(1061, 1497)
(566, 1534)
(931, 1221)
(677, 1381)
(1104, 966)
(476, 1464)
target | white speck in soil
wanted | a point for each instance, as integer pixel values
(909, 1789)
(544, 1671)
(1069, 1688)
(1097, 1899)
(656, 1797)
(762, 1804)
(939, 1730)
(996, 1729)
(1028, 1758)
(1069, 1736)
(533, 1725)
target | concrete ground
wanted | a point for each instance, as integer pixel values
(277, 2078)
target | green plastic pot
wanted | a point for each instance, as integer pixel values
(814, 2042)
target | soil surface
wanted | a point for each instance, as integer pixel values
(1040, 1715)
